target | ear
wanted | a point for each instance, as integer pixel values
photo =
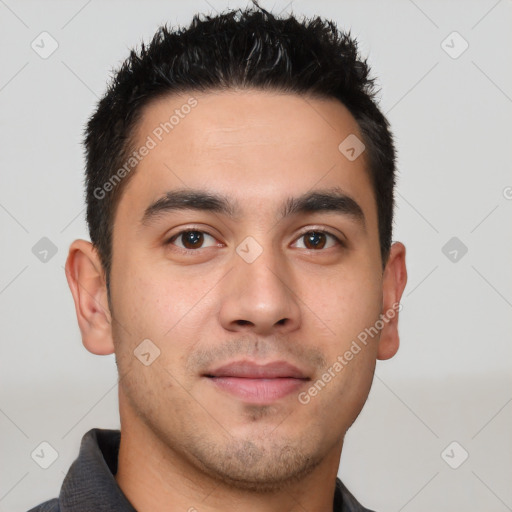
(86, 280)
(394, 281)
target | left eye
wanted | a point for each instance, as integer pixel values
(195, 239)
(318, 240)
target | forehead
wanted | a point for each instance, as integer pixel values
(258, 147)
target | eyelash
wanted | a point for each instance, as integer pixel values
(192, 229)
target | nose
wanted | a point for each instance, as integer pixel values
(260, 297)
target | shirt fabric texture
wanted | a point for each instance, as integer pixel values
(90, 485)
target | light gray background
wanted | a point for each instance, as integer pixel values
(451, 379)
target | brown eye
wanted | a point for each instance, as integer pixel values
(317, 240)
(314, 240)
(190, 240)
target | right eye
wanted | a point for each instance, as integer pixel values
(190, 239)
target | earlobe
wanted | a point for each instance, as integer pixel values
(86, 281)
(394, 281)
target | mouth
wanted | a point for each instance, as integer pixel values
(258, 384)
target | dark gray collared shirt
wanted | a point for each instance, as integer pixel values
(90, 486)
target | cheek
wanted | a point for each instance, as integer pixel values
(166, 307)
(338, 395)
(347, 303)
(149, 297)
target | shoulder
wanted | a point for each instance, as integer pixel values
(345, 501)
(47, 506)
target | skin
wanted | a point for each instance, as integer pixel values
(186, 444)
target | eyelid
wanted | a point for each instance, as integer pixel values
(326, 231)
(169, 239)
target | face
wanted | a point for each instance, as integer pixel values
(249, 276)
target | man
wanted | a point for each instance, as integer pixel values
(240, 202)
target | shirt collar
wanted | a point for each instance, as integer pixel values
(90, 483)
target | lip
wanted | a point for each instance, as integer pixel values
(251, 370)
(256, 383)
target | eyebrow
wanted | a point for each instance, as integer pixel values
(329, 200)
